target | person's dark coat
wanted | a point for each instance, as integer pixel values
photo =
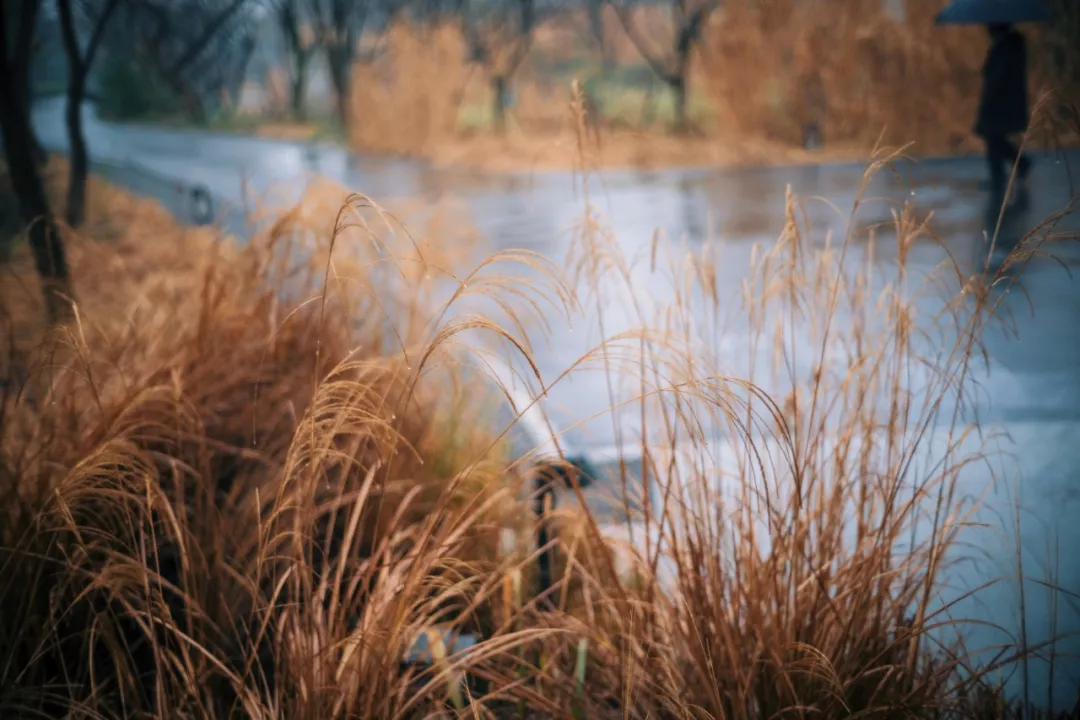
(1003, 107)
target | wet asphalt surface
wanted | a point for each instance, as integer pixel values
(1029, 388)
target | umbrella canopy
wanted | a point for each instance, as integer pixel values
(986, 12)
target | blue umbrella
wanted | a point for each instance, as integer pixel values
(986, 12)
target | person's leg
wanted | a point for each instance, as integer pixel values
(1023, 166)
(1011, 153)
(997, 150)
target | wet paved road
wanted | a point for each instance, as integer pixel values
(732, 209)
(1030, 389)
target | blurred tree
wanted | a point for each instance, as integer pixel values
(340, 27)
(79, 63)
(236, 72)
(195, 47)
(499, 34)
(18, 20)
(40, 51)
(433, 12)
(130, 90)
(25, 49)
(688, 20)
(300, 47)
(596, 29)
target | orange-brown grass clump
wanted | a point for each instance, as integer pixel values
(249, 497)
(226, 493)
(789, 559)
(121, 222)
(409, 100)
(773, 67)
(770, 68)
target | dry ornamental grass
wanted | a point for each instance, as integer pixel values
(249, 477)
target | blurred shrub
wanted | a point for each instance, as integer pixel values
(771, 66)
(412, 96)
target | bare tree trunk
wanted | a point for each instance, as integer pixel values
(76, 198)
(299, 91)
(677, 83)
(498, 106)
(20, 70)
(43, 235)
(340, 59)
(596, 26)
(298, 99)
(78, 70)
(79, 159)
(674, 69)
(299, 52)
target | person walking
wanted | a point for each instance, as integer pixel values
(1003, 105)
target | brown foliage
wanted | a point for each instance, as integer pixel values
(774, 65)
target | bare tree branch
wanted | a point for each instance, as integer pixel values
(301, 49)
(194, 46)
(339, 26)
(212, 28)
(655, 61)
(672, 67)
(79, 65)
(67, 31)
(689, 24)
(497, 39)
(99, 31)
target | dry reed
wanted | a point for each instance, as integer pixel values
(247, 490)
